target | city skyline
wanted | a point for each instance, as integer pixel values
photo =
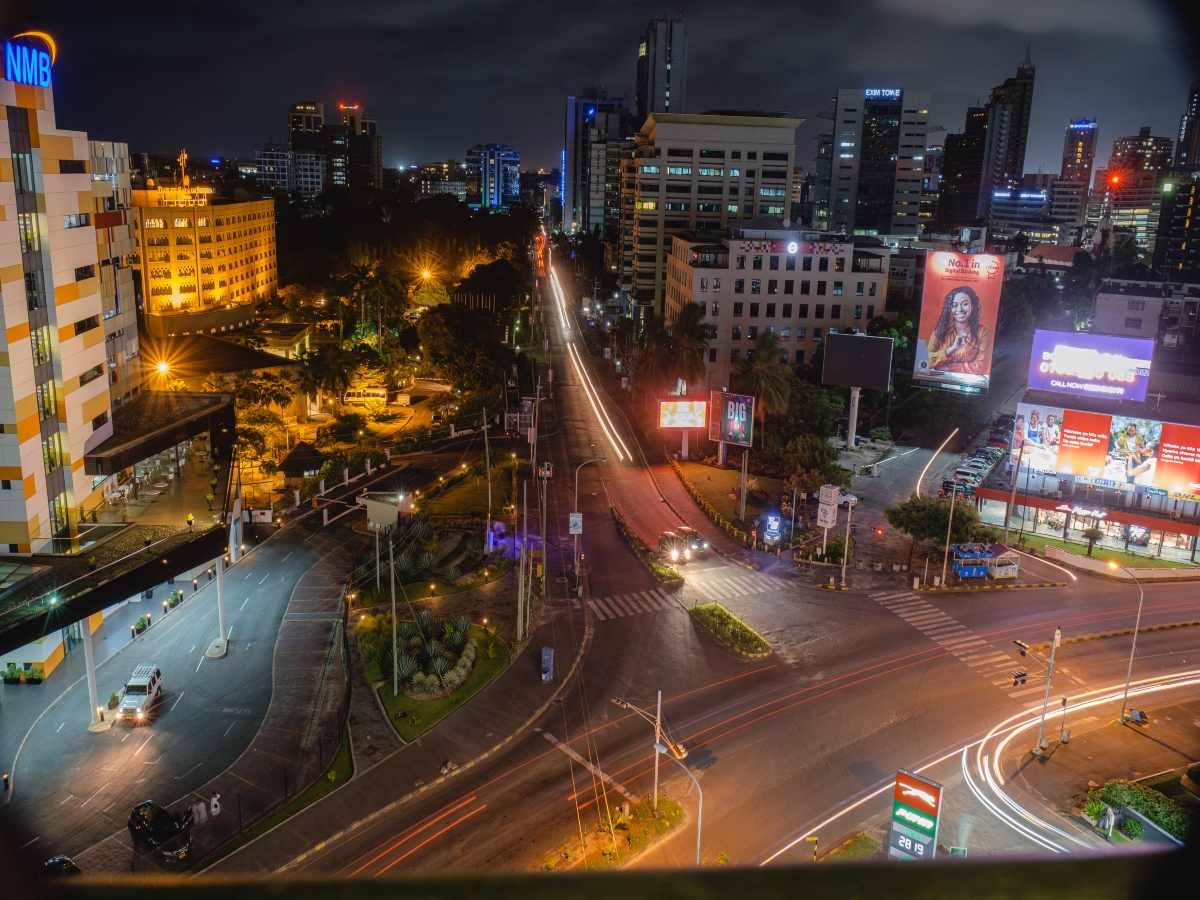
(418, 69)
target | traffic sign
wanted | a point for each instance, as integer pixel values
(916, 808)
(830, 494)
(576, 523)
(826, 516)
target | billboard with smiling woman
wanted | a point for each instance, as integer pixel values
(958, 321)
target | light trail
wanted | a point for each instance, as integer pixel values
(411, 833)
(921, 477)
(436, 834)
(1047, 562)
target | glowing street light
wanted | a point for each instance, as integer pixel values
(163, 368)
(1136, 625)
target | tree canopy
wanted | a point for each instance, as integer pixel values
(464, 347)
(926, 518)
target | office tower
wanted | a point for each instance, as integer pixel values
(1008, 108)
(449, 177)
(872, 183)
(54, 396)
(593, 121)
(111, 204)
(1142, 151)
(662, 68)
(931, 185)
(1079, 151)
(353, 149)
(493, 176)
(698, 172)
(274, 165)
(962, 173)
(306, 121)
(1187, 148)
(1177, 241)
(204, 263)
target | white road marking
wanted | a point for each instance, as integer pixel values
(265, 577)
(127, 736)
(177, 699)
(596, 609)
(227, 730)
(199, 663)
(193, 650)
(93, 797)
(27, 843)
(587, 765)
(60, 728)
(290, 552)
(69, 797)
(143, 747)
(189, 771)
(248, 574)
(243, 606)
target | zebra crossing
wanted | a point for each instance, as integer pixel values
(726, 587)
(967, 646)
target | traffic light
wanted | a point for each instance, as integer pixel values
(1022, 646)
(1019, 676)
(879, 532)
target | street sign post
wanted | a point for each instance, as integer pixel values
(830, 494)
(826, 516)
(576, 522)
(916, 808)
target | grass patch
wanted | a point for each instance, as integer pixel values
(469, 496)
(1133, 560)
(419, 590)
(715, 486)
(861, 846)
(633, 835)
(730, 629)
(420, 715)
(341, 767)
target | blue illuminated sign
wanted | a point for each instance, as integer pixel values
(883, 93)
(26, 65)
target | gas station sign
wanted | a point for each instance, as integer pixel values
(916, 808)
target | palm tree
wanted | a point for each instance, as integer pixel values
(762, 375)
(689, 344)
(326, 371)
(1091, 535)
(654, 363)
(380, 285)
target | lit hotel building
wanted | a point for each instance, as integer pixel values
(54, 393)
(204, 264)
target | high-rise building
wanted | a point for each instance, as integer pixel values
(1142, 151)
(931, 185)
(1008, 108)
(962, 173)
(54, 396)
(449, 177)
(1187, 147)
(493, 176)
(280, 168)
(1177, 242)
(1079, 151)
(872, 183)
(662, 68)
(306, 122)
(698, 172)
(354, 149)
(204, 264)
(593, 121)
(112, 202)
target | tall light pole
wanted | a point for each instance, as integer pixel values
(659, 748)
(655, 720)
(1038, 748)
(949, 527)
(603, 459)
(1136, 626)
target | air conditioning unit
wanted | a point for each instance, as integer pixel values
(1176, 514)
(1057, 495)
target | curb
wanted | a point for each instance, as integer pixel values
(589, 631)
(1111, 634)
(833, 587)
(992, 587)
(729, 646)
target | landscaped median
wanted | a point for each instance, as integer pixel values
(665, 574)
(621, 839)
(731, 630)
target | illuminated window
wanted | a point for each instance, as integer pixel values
(712, 172)
(650, 170)
(28, 229)
(647, 204)
(202, 221)
(39, 338)
(156, 223)
(679, 170)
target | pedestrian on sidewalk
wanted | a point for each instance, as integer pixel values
(191, 519)
(215, 804)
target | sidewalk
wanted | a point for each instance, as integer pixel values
(300, 730)
(501, 712)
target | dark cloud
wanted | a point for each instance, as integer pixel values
(217, 76)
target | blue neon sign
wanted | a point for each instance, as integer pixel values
(26, 65)
(883, 93)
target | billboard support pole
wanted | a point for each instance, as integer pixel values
(683, 453)
(721, 452)
(742, 507)
(854, 392)
(949, 528)
(1012, 497)
(846, 545)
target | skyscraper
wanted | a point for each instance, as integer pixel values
(1141, 152)
(1079, 151)
(872, 183)
(1187, 150)
(662, 68)
(962, 172)
(1008, 108)
(493, 176)
(1177, 245)
(306, 121)
(593, 120)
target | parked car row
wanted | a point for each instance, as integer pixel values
(971, 472)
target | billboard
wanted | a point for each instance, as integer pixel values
(856, 360)
(733, 419)
(916, 810)
(1109, 451)
(1090, 364)
(682, 413)
(958, 321)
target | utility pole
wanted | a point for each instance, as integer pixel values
(677, 750)
(521, 562)
(745, 464)
(392, 582)
(846, 543)
(1037, 750)
(949, 526)
(487, 455)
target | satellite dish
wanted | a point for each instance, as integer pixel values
(787, 223)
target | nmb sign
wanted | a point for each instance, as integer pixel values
(26, 64)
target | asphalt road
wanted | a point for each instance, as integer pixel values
(852, 691)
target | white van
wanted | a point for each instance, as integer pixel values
(362, 396)
(402, 399)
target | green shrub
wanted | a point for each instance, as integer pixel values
(730, 628)
(882, 433)
(1160, 809)
(1132, 828)
(1093, 808)
(451, 575)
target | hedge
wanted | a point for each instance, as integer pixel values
(1158, 808)
(665, 574)
(730, 629)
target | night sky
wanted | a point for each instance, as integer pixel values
(217, 77)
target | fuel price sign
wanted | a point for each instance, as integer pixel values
(916, 807)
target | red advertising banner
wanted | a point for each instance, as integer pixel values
(1179, 459)
(1083, 443)
(958, 321)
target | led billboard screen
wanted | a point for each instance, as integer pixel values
(958, 321)
(732, 419)
(682, 413)
(1110, 451)
(856, 360)
(1090, 364)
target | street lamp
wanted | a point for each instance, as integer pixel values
(949, 528)
(677, 750)
(602, 459)
(659, 748)
(1136, 625)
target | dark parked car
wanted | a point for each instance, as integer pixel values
(58, 867)
(152, 826)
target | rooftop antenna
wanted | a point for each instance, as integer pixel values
(183, 175)
(1028, 63)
